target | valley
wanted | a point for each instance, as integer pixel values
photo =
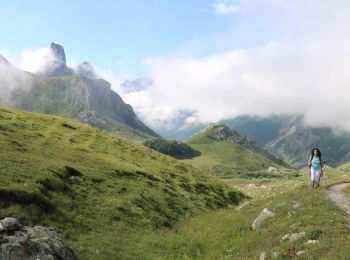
(175, 130)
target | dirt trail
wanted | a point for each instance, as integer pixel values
(335, 193)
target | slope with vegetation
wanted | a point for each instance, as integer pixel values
(101, 191)
(227, 154)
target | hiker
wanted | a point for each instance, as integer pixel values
(315, 164)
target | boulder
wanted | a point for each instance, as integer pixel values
(29, 243)
(265, 213)
(301, 252)
(272, 169)
(312, 242)
(9, 224)
(296, 236)
(293, 236)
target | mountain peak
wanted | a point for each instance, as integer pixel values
(85, 69)
(58, 52)
(56, 62)
(220, 132)
(137, 85)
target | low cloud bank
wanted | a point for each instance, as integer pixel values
(305, 71)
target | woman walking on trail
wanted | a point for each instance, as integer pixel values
(315, 164)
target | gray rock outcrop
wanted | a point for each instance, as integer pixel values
(31, 243)
(293, 236)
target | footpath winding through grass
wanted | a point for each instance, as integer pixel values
(227, 233)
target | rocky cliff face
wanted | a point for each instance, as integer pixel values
(61, 90)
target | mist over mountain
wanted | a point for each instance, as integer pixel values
(180, 126)
(80, 94)
(86, 70)
(289, 138)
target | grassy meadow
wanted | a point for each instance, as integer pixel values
(114, 199)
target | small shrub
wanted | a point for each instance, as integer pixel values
(315, 234)
(175, 149)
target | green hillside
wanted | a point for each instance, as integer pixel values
(100, 190)
(344, 167)
(68, 96)
(227, 154)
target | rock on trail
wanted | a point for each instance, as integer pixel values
(265, 213)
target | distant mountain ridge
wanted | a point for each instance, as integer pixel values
(79, 94)
(290, 139)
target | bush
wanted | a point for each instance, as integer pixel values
(175, 149)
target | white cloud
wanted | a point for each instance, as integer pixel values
(224, 8)
(35, 60)
(304, 71)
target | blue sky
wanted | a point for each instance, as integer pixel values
(218, 58)
(118, 35)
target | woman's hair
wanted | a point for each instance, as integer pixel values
(318, 153)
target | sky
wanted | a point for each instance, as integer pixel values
(117, 35)
(218, 58)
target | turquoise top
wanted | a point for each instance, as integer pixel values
(315, 163)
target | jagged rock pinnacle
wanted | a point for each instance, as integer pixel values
(58, 51)
(56, 62)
